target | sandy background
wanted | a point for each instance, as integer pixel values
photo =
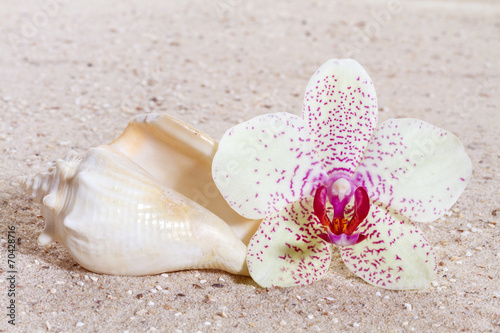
(74, 73)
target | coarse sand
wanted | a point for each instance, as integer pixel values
(72, 73)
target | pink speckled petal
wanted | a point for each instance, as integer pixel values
(340, 107)
(395, 255)
(286, 251)
(415, 168)
(265, 163)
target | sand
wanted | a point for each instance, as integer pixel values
(73, 73)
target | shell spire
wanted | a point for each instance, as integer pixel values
(38, 186)
(43, 188)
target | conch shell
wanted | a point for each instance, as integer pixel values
(144, 204)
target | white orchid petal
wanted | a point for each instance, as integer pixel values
(395, 255)
(415, 168)
(285, 250)
(340, 107)
(265, 163)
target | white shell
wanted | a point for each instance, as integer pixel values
(129, 208)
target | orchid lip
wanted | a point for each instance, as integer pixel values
(343, 239)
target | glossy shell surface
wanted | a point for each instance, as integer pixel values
(144, 204)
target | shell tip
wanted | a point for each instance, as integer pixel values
(44, 239)
(50, 200)
(23, 181)
(30, 185)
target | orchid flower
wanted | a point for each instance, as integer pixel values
(334, 177)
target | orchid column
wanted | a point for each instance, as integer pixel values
(334, 177)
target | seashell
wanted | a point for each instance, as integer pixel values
(180, 158)
(144, 204)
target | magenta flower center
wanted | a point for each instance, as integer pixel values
(340, 230)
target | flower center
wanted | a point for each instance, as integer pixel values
(341, 229)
